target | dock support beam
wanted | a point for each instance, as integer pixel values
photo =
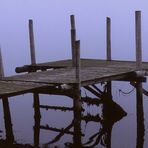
(73, 39)
(138, 40)
(6, 109)
(77, 100)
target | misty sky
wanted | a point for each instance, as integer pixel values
(52, 29)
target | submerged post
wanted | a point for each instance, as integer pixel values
(32, 44)
(138, 39)
(108, 38)
(6, 109)
(77, 99)
(73, 39)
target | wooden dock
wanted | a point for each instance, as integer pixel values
(61, 72)
(66, 77)
(76, 70)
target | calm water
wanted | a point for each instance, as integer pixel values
(102, 124)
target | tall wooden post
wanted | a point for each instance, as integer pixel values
(73, 39)
(77, 99)
(32, 45)
(6, 109)
(36, 104)
(139, 91)
(108, 38)
(138, 40)
(140, 116)
(108, 50)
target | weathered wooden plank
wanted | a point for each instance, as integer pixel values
(12, 88)
(84, 63)
(67, 75)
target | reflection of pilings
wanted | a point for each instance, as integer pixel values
(7, 115)
(62, 108)
(65, 130)
(109, 89)
(57, 130)
(89, 118)
(7, 119)
(140, 116)
(37, 117)
(93, 91)
(91, 101)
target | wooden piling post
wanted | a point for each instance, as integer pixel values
(108, 38)
(36, 100)
(6, 109)
(108, 50)
(32, 44)
(77, 99)
(140, 115)
(73, 38)
(138, 39)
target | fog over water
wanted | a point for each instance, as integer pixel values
(53, 42)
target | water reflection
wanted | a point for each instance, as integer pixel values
(111, 113)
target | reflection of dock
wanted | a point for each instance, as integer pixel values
(66, 77)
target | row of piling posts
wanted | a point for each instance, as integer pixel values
(36, 101)
(139, 91)
(6, 109)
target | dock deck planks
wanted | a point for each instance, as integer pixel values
(84, 63)
(92, 71)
